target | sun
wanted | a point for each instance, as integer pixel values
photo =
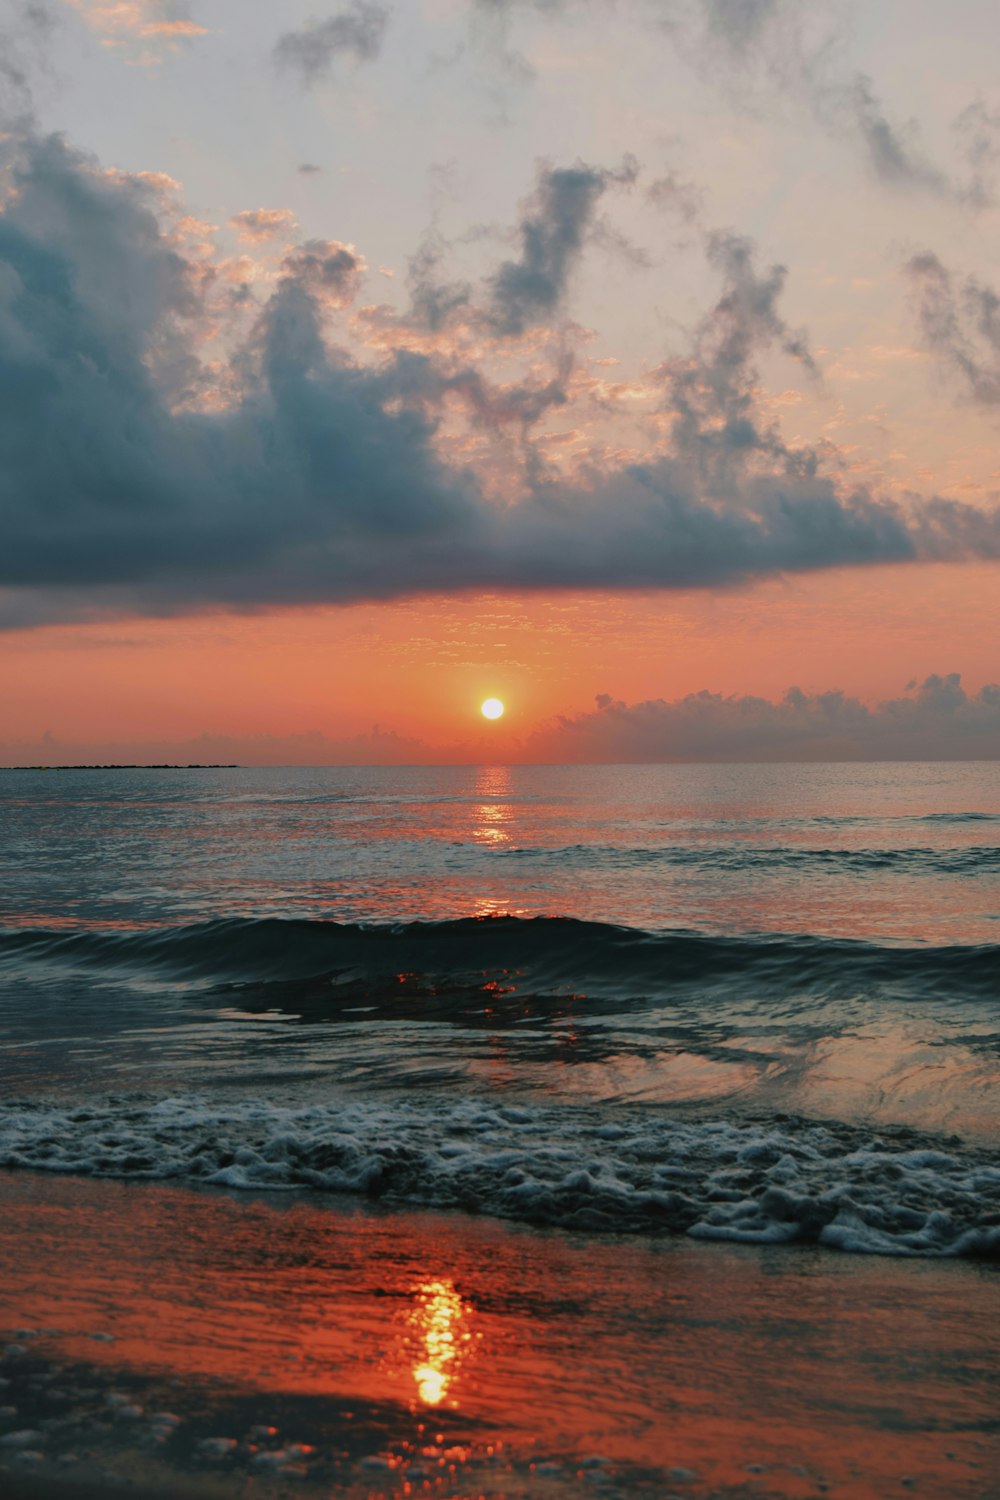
(491, 709)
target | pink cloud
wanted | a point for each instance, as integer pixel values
(127, 24)
(173, 28)
(256, 224)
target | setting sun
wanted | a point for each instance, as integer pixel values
(492, 709)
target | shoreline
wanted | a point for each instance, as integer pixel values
(189, 1342)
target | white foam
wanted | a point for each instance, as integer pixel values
(770, 1183)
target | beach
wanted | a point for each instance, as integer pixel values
(499, 745)
(264, 1344)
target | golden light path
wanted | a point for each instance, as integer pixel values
(438, 1319)
(492, 708)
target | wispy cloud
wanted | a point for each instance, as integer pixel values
(25, 36)
(892, 150)
(552, 233)
(788, 48)
(960, 322)
(356, 32)
(146, 30)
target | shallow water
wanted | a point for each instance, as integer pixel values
(738, 1002)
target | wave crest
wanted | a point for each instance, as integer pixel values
(538, 953)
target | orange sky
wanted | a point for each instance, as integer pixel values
(595, 300)
(421, 668)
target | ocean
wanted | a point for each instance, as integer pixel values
(616, 1007)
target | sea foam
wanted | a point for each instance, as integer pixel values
(779, 1181)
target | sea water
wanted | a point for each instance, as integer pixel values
(751, 1003)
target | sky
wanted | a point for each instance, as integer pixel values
(634, 361)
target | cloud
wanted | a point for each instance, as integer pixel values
(712, 394)
(355, 32)
(24, 40)
(938, 720)
(552, 234)
(676, 194)
(106, 488)
(715, 34)
(434, 301)
(760, 48)
(255, 225)
(978, 127)
(528, 291)
(960, 322)
(140, 474)
(145, 29)
(893, 151)
(741, 23)
(326, 270)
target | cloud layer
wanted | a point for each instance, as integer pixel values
(937, 720)
(136, 475)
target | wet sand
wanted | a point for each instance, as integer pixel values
(165, 1342)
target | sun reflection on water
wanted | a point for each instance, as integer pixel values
(439, 1318)
(491, 825)
(493, 817)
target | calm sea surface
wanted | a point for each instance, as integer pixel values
(744, 1002)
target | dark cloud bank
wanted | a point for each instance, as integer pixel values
(121, 489)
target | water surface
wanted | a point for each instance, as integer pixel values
(738, 1002)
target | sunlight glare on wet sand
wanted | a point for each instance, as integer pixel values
(438, 1318)
(314, 1342)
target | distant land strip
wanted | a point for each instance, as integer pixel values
(160, 765)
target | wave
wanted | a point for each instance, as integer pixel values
(979, 860)
(512, 954)
(958, 817)
(780, 1181)
(535, 953)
